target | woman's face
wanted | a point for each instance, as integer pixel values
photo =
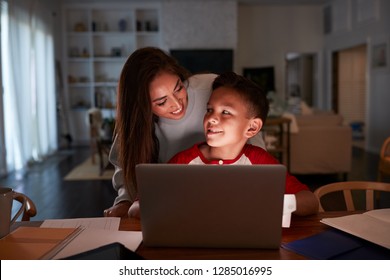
(168, 96)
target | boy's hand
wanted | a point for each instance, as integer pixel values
(118, 210)
(307, 203)
(134, 211)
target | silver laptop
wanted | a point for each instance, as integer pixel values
(211, 206)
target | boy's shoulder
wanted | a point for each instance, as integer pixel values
(258, 155)
(186, 156)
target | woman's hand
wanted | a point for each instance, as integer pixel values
(134, 210)
(119, 210)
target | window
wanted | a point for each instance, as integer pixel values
(29, 101)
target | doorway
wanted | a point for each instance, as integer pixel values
(301, 73)
(349, 89)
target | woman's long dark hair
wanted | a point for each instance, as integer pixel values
(135, 121)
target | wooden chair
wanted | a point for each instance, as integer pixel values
(346, 187)
(95, 119)
(30, 210)
(104, 148)
(384, 161)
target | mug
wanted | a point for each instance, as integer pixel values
(7, 195)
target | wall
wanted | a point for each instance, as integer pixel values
(355, 25)
(199, 24)
(267, 32)
(193, 23)
(227, 24)
(262, 34)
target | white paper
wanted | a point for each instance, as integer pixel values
(380, 214)
(365, 226)
(90, 239)
(107, 223)
(96, 232)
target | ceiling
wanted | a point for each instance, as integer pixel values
(263, 2)
(284, 2)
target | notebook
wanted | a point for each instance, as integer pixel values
(211, 206)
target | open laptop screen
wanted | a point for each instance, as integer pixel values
(229, 206)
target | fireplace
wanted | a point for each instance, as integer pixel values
(204, 60)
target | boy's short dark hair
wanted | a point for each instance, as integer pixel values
(254, 95)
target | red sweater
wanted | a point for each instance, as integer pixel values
(249, 155)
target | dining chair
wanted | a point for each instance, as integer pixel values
(30, 210)
(347, 187)
(95, 119)
(384, 160)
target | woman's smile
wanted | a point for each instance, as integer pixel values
(178, 111)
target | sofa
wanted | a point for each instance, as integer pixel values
(320, 144)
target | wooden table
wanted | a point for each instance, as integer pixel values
(301, 227)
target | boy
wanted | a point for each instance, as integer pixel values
(236, 111)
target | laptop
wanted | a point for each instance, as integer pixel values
(211, 206)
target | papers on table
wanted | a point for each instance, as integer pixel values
(373, 226)
(111, 223)
(353, 237)
(96, 233)
(90, 239)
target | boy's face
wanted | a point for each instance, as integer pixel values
(226, 121)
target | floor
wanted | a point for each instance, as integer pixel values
(59, 199)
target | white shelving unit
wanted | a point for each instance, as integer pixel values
(97, 40)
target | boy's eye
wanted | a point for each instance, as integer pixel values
(209, 110)
(225, 112)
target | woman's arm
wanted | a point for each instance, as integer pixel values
(123, 200)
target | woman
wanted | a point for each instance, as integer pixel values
(159, 113)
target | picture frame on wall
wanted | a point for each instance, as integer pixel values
(263, 76)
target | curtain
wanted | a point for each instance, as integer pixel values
(27, 49)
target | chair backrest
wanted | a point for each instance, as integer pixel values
(346, 187)
(30, 210)
(384, 160)
(95, 119)
(385, 150)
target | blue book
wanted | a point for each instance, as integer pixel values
(334, 244)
